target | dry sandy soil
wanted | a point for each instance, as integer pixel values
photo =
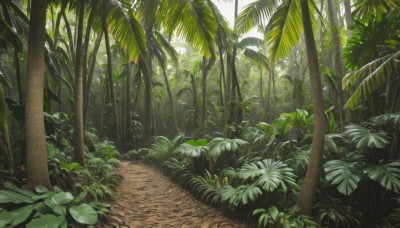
(146, 198)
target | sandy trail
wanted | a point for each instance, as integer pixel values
(146, 198)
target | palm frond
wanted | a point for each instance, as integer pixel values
(284, 29)
(374, 74)
(258, 58)
(167, 47)
(250, 41)
(122, 24)
(192, 20)
(255, 13)
(366, 9)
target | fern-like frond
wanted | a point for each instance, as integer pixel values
(374, 75)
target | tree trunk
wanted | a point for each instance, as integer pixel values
(171, 99)
(18, 76)
(307, 194)
(339, 68)
(90, 75)
(222, 81)
(79, 153)
(70, 37)
(34, 120)
(111, 83)
(348, 16)
(127, 124)
(205, 68)
(196, 110)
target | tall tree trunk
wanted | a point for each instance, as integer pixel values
(222, 81)
(111, 83)
(262, 101)
(348, 16)
(148, 99)
(196, 109)
(205, 68)
(339, 68)
(58, 21)
(307, 194)
(171, 99)
(19, 79)
(90, 75)
(79, 153)
(128, 111)
(34, 120)
(70, 37)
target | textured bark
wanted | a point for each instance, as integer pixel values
(171, 100)
(307, 194)
(34, 120)
(205, 68)
(337, 46)
(79, 153)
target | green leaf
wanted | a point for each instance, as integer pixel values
(41, 189)
(17, 216)
(73, 166)
(199, 142)
(269, 175)
(346, 175)
(366, 138)
(387, 175)
(50, 221)
(14, 197)
(84, 214)
(62, 198)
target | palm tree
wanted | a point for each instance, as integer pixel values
(34, 119)
(79, 155)
(307, 194)
(339, 68)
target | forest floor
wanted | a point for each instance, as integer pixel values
(147, 198)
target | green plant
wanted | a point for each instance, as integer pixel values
(45, 208)
(275, 218)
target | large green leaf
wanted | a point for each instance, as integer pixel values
(221, 145)
(284, 29)
(242, 194)
(366, 138)
(62, 198)
(346, 175)
(84, 214)
(193, 21)
(14, 197)
(192, 150)
(50, 221)
(269, 175)
(387, 175)
(17, 216)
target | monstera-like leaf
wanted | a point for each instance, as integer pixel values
(366, 138)
(193, 148)
(269, 175)
(242, 194)
(346, 175)
(221, 145)
(387, 175)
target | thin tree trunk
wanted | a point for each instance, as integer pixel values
(348, 16)
(79, 153)
(196, 110)
(70, 37)
(339, 68)
(206, 66)
(307, 194)
(90, 75)
(18, 76)
(58, 21)
(222, 82)
(171, 100)
(261, 106)
(111, 83)
(34, 120)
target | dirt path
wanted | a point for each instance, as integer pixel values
(146, 198)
